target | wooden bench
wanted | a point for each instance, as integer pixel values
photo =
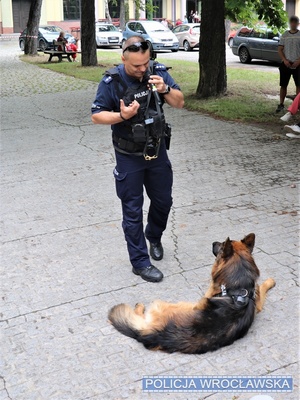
(60, 53)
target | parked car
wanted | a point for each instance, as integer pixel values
(230, 38)
(108, 35)
(233, 31)
(260, 43)
(46, 35)
(156, 34)
(188, 35)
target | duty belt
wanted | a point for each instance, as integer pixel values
(127, 146)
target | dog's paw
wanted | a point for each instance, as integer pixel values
(139, 305)
(139, 308)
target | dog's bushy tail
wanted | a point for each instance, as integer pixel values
(126, 321)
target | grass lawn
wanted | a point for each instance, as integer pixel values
(246, 100)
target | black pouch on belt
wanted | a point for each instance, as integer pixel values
(139, 133)
(168, 134)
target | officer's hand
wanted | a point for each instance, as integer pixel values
(158, 82)
(130, 111)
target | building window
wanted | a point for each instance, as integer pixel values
(71, 9)
(157, 12)
(114, 9)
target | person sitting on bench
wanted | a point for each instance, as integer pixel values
(61, 38)
(72, 47)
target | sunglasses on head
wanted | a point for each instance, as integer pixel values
(135, 47)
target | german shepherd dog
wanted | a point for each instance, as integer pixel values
(222, 316)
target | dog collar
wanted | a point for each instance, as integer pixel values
(240, 297)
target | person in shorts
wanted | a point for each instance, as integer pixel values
(289, 52)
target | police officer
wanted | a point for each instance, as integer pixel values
(126, 100)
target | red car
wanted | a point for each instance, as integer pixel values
(233, 30)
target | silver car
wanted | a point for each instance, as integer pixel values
(260, 43)
(188, 35)
(156, 35)
(107, 35)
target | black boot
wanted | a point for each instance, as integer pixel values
(149, 274)
(156, 251)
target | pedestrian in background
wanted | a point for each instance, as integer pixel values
(164, 22)
(61, 38)
(292, 110)
(191, 17)
(196, 17)
(289, 52)
(170, 24)
(72, 47)
(293, 130)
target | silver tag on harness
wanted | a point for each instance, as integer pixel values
(223, 289)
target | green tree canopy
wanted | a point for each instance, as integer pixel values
(250, 11)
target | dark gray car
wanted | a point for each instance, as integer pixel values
(259, 43)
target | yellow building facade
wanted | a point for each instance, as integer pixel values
(66, 13)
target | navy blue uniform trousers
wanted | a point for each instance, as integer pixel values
(132, 174)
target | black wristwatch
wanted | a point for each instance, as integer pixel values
(168, 90)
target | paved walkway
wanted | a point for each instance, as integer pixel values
(64, 261)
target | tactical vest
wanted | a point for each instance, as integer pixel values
(138, 91)
(149, 123)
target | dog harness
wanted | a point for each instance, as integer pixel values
(240, 297)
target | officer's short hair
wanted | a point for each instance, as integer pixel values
(132, 40)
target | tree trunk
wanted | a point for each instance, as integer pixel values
(137, 9)
(149, 10)
(107, 13)
(31, 40)
(88, 34)
(126, 11)
(212, 56)
(122, 15)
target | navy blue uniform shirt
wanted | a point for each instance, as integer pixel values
(107, 98)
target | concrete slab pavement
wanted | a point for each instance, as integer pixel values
(64, 261)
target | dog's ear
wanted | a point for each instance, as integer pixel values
(249, 241)
(216, 246)
(228, 249)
